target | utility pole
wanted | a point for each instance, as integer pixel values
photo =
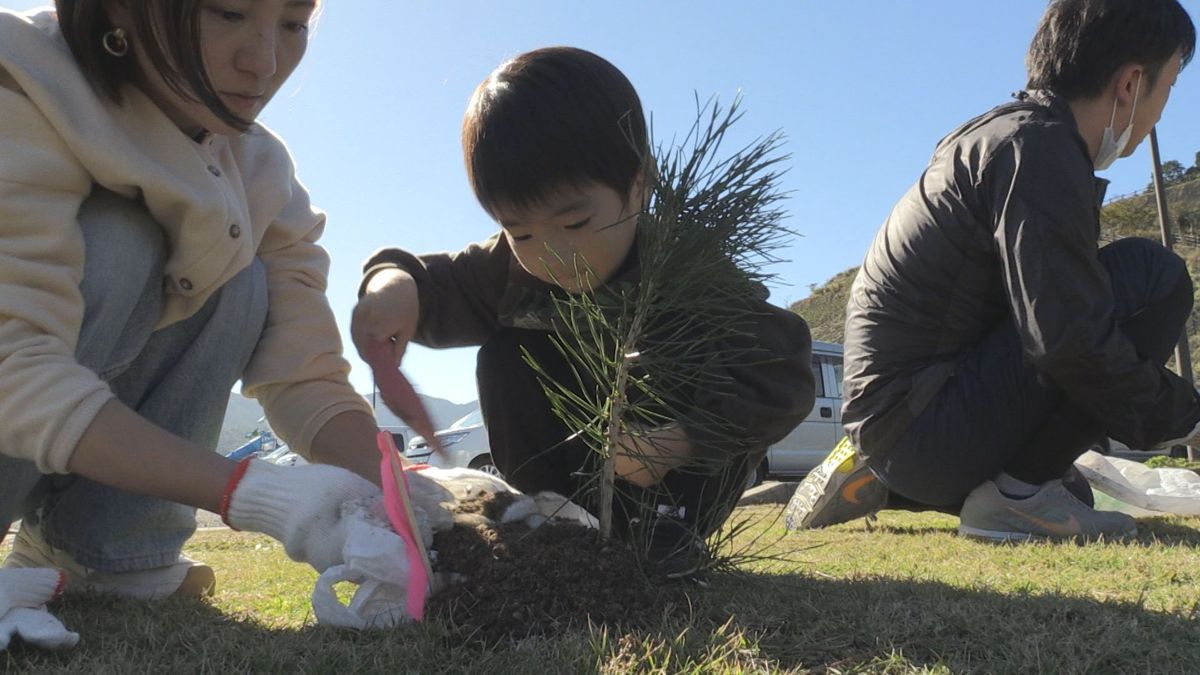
(1183, 356)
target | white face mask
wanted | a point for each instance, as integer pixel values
(1111, 149)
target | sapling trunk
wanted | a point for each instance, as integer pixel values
(618, 399)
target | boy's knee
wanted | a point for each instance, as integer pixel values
(500, 348)
(501, 360)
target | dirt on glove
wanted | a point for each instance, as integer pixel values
(513, 582)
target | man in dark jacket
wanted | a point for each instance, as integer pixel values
(989, 339)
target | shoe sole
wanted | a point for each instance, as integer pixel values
(200, 581)
(1001, 536)
(828, 483)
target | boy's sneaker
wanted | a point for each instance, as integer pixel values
(1052, 513)
(674, 548)
(838, 490)
(184, 578)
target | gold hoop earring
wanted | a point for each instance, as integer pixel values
(114, 42)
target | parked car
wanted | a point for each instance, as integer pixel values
(398, 435)
(261, 443)
(804, 448)
(465, 442)
(283, 456)
(262, 440)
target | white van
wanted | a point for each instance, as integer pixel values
(814, 438)
(466, 440)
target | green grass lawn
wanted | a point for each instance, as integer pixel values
(909, 596)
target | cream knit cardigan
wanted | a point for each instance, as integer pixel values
(58, 138)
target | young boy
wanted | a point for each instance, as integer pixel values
(554, 143)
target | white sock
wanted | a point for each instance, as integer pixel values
(1015, 488)
(28, 587)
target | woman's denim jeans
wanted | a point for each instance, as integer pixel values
(178, 377)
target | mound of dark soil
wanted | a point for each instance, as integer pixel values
(518, 582)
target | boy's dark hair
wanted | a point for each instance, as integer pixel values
(549, 119)
(168, 31)
(1080, 44)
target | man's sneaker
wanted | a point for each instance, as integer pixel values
(840, 489)
(1078, 485)
(1052, 513)
(184, 578)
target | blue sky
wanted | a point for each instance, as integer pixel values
(863, 91)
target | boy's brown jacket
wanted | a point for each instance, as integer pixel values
(469, 295)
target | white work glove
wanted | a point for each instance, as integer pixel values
(24, 593)
(299, 506)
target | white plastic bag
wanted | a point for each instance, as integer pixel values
(375, 561)
(1133, 484)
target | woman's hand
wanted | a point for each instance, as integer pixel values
(387, 312)
(300, 506)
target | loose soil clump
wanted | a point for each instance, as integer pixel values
(513, 582)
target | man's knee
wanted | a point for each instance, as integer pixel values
(1138, 256)
(1144, 273)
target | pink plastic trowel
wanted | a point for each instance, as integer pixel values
(399, 395)
(398, 503)
(401, 398)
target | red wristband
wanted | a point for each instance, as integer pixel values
(234, 479)
(61, 585)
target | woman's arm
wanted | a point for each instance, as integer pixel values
(298, 506)
(298, 372)
(124, 450)
(348, 440)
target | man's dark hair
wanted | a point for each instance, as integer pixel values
(1080, 44)
(167, 30)
(550, 119)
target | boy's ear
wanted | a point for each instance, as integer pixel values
(639, 192)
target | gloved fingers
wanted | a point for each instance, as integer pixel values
(557, 507)
(29, 587)
(36, 626)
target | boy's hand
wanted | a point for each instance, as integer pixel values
(646, 456)
(387, 312)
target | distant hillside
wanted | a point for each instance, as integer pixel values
(825, 308)
(1131, 216)
(242, 415)
(442, 412)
